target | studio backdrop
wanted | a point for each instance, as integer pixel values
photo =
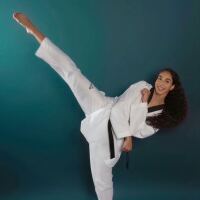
(115, 43)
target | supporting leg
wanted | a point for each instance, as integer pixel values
(101, 173)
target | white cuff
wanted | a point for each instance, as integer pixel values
(123, 134)
(42, 46)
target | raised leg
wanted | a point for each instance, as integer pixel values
(87, 95)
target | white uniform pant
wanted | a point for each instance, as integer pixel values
(90, 100)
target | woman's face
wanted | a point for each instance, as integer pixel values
(164, 83)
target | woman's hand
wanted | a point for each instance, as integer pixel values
(128, 144)
(145, 94)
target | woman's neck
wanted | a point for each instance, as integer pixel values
(157, 99)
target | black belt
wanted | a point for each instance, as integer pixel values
(112, 145)
(111, 140)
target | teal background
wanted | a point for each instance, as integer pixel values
(43, 155)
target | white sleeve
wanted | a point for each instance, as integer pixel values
(146, 130)
(121, 110)
(138, 125)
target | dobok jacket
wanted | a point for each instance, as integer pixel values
(127, 114)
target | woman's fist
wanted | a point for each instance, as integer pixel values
(145, 94)
(128, 144)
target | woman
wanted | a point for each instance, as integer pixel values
(111, 122)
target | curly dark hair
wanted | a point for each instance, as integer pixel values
(175, 107)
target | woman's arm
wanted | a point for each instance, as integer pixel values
(120, 113)
(128, 144)
(144, 130)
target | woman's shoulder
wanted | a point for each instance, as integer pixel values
(142, 84)
(134, 89)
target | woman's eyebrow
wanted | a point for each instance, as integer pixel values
(168, 79)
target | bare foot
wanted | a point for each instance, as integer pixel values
(27, 24)
(24, 21)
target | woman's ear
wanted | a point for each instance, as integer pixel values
(173, 86)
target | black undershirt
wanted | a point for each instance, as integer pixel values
(153, 108)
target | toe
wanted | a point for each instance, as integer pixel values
(16, 16)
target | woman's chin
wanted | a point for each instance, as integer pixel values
(163, 92)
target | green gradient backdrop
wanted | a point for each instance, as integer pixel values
(43, 156)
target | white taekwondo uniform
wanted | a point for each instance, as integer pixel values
(127, 115)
